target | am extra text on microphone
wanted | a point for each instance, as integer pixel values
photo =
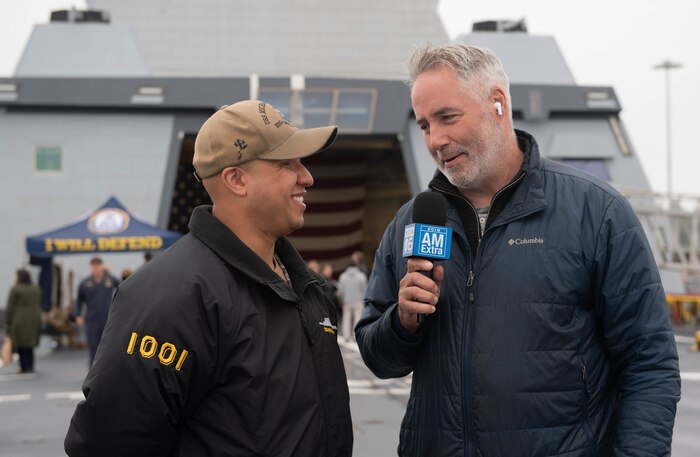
(427, 237)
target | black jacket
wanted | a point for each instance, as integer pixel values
(207, 352)
(551, 338)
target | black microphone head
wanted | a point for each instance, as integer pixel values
(430, 208)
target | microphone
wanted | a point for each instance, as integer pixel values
(427, 237)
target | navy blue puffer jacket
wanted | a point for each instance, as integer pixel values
(552, 340)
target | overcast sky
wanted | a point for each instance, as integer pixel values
(605, 42)
(616, 43)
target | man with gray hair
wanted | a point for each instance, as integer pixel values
(546, 332)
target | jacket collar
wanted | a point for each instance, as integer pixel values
(529, 196)
(225, 244)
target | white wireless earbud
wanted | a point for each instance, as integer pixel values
(499, 108)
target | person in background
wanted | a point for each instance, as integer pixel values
(330, 287)
(358, 259)
(225, 344)
(352, 285)
(314, 266)
(92, 303)
(126, 272)
(23, 319)
(546, 332)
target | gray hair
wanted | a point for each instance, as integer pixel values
(478, 68)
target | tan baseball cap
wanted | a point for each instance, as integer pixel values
(250, 130)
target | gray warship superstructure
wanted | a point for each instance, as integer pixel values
(108, 102)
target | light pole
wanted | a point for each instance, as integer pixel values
(667, 66)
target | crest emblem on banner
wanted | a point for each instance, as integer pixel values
(108, 221)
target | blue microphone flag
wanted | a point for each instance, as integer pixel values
(427, 241)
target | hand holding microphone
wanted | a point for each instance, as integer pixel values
(425, 241)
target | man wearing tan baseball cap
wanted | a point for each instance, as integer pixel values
(226, 342)
(251, 130)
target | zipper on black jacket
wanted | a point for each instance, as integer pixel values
(307, 332)
(585, 419)
(466, 382)
(302, 315)
(470, 281)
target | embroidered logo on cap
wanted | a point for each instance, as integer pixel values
(241, 145)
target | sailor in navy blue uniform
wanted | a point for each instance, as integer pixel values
(95, 293)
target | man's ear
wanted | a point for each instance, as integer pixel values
(235, 179)
(498, 98)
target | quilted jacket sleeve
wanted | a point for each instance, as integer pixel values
(638, 335)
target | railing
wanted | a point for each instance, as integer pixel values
(672, 224)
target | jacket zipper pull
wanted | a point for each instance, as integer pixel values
(470, 281)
